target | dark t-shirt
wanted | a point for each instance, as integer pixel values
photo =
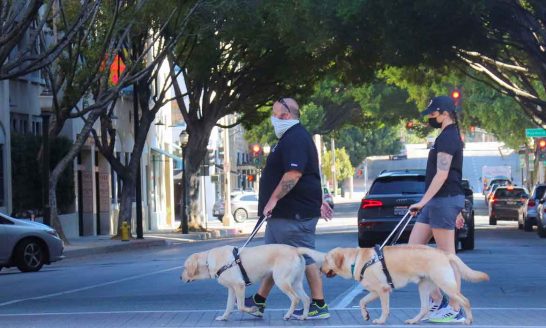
(295, 151)
(448, 142)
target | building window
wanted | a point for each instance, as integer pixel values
(1, 175)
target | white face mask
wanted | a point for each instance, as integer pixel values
(280, 126)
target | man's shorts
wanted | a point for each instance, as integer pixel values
(293, 232)
(441, 212)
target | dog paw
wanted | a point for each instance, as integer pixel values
(410, 322)
(365, 314)
(378, 321)
(221, 318)
(468, 321)
(286, 317)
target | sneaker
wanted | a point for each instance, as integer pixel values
(447, 315)
(250, 302)
(315, 312)
(434, 307)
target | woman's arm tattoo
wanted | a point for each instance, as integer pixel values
(444, 161)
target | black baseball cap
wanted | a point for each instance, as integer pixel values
(440, 103)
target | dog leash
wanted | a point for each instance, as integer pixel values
(237, 251)
(406, 218)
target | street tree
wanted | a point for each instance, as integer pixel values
(27, 28)
(239, 57)
(84, 71)
(343, 167)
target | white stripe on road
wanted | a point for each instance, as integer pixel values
(343, 300)
(222, 310)
(70, 291)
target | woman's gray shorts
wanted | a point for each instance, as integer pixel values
(441, 212)
(293, 232)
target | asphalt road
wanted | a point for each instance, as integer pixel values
(142, 288)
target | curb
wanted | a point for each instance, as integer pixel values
(122, 246)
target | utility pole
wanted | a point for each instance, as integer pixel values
(334, 178)
(227, 220)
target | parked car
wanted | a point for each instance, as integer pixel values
(430, 141)
(28, 245)
(541, 218)
(390, 195)
(508, 203)
(532, 205)
(244, 205)
(403, 154)
(327, 196)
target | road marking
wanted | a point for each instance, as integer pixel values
(342, 301)
(222, 310)
(70, 291)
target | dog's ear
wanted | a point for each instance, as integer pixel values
(191, 265)
(338, 259)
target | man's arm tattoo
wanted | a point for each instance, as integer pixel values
(286, 186)
(444, 161)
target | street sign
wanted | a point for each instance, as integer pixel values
(530, 133)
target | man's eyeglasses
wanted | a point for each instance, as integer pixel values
(281, 100)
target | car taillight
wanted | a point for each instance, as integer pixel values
(368, 203)
(531, 202)
(493, 200)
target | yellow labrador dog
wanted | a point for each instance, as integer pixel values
(283, 262)
(426, 266)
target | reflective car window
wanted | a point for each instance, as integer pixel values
(510, 193)
(248, 198)
(399, 185)
(539, 192)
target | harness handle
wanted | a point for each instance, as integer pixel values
(407, 217)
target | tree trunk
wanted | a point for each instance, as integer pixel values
(62, 165)
(126, 204)
(196, 151)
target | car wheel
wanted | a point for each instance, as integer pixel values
(30, 256)
(467, 244)
(492, 221)
(540, 230)
(527, 225)
(520, 225)
(240, 215)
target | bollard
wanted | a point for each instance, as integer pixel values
(125, 231)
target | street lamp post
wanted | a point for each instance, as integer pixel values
(46, 113)
(184, 137)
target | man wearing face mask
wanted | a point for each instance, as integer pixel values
(291, 192)
(443, 200)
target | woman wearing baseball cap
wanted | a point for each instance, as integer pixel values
(443, 200)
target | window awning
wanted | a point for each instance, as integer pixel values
(179, 162)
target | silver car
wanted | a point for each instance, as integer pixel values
(28, 245)
(244, 205)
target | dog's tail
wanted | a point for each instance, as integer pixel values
(315, 255)
(466, 272)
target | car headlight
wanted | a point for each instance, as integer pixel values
(53, 233)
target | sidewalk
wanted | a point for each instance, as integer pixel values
(92, 245)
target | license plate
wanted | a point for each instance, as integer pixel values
(510, 203)
(400, 210)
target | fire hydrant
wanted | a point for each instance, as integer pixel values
(125, 231)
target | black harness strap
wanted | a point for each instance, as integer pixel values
(239, 263)
(379, 257)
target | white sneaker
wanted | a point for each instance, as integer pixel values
(434, 307)
(447, 315)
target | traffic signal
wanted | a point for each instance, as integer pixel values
(255, 150)
(456, 97)
(251, 177)
(541, 149)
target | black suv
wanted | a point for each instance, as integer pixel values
(388, 199)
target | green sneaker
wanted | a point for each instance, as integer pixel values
(250, 302)
(315, 312)
(447, 315)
